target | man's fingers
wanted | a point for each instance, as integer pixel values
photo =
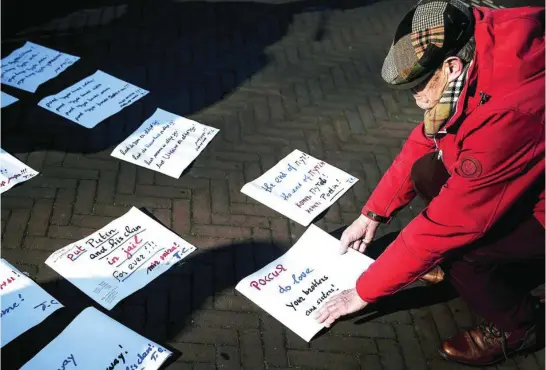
(325, 315)
(322, 315)
(332, 302)
(330, 321)
(344, 247)
(357, 244)
(338, 306)
(362, 247)
(345, 243)
(368, 237)
(324, 312)
(330, 305)
(334, 315)
(330, 312)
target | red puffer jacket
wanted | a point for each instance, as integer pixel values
(493, 149)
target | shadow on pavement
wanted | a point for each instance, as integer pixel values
(164, 310)
(189, 55)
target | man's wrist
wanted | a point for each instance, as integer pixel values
(360, 289)
(375, 217)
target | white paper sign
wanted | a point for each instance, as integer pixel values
(93, 99)
(166, 143)
(31, 65)
(13, 171)
(300, 187)
(7, 99)
(294, 286)
(95, 341)
(24, 303)
(120, 258)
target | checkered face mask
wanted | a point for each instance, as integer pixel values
(438, 115)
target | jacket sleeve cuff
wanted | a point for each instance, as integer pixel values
(374, 216)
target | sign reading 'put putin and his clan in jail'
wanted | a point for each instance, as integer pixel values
(95, 341)
(294, 287)
(93, 99)
(120, 258)
(31, 65)
(300, 187)
(166, 143)
(24, 303)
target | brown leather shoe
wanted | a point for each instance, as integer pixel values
(486, 345)
(434, 276)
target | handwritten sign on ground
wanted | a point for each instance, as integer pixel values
(31, 65)
(93, 99)
(300, 187)
(7, 99)
(13, 171)
(24, 303)
(95, 341)
(120, 258)
(294, 287)
(166, 143)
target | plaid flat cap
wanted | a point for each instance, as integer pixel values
(430, 32)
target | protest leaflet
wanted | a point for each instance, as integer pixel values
(120, 258)
(95, 341)
(300, 187)
(13, 171)
(31, 65)
(294, 287)
(93, 99)
(7, 99)
(166, 143)
(24, 303)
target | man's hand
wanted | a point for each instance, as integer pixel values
(339, 305)
(359, 234)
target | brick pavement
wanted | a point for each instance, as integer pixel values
(272, 78)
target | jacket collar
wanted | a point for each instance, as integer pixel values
(466, 103)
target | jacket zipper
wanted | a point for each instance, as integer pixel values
(437, 147)
(484, 98)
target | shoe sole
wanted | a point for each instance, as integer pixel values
(429, 283)
(508, 355)
(447, 358)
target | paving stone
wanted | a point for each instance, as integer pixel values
(369, 329)
(344, 344)
(252, 356)
(371, 362)
(226, 319)
(207, 335)
(192, 352)
(39, 219)
(227, 357)
(390, 353)
(273, 342)
(322, 360)
(409, 344)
